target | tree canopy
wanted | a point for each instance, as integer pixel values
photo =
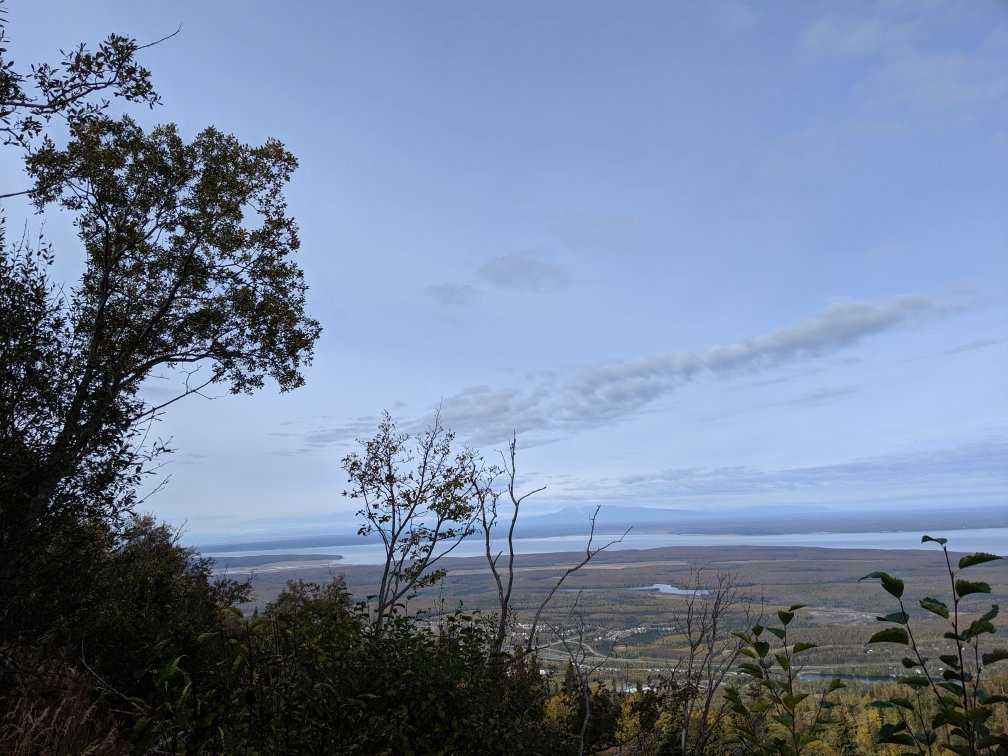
(189, 274)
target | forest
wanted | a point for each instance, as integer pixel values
(116, 638)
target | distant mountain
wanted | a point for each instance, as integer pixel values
(344, 538)
(772, 520)
(756, 520)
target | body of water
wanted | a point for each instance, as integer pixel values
(671, 589)
(992, 540)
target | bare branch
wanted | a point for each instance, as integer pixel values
(589, 555)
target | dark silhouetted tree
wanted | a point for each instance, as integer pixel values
(189, 274)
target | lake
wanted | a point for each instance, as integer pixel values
(993, 540)
(672, 590)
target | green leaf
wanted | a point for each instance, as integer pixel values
(785, 617)
(979, 714)
(799, 647)
(989, 741)
(753, 670)
(979, 558)
(967, 587)
(952, 687)
(891, 635)
(792, 700)
(835, 684)
(949, 717)
(992, 613)
(935, 606)
(998, 654)
(909, 663)
(914, 681)
(903, 703)
(960, 748)
(782, 660)
(939, 541)
(900, 618)
(795, 607)
(979, 627)
(778, 632)
(950, 660)
(893, 733)
(893, 586)
(141, 726)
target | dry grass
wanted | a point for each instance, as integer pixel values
(51, 711)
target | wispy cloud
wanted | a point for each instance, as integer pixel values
(603, 394)
(523, 272)
(519, 272)
(973, 345)
(453, 294)
(824, 395)
(605, 231)
(734, 16)
(978, 462)
(839, 325)
(857, 35)
(904, 66)
(937, 82)
(551, 406)
(976, 470)
(310, 435)
(811, 152)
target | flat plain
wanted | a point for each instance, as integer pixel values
(606, 601)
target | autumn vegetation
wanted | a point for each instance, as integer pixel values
(116, 638)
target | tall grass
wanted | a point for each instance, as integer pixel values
(52, 711)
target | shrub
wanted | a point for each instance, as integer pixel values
(947, 702)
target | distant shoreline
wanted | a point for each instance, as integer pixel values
(225, 561)
(992, 540)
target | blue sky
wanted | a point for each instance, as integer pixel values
(695, 254)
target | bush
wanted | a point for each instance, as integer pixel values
(946, 703)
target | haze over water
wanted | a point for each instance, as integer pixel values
(992, 540)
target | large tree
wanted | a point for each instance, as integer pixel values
(188, 274)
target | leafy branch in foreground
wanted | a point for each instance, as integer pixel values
(963, 708)
(774, 719)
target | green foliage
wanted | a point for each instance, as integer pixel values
(188, 252)
(156, 600)
(947, 704)
(47, 553)
(775, 717)
(79, 87)
(420, 497)
(588, 714)
(310, 676)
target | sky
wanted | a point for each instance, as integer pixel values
(697, 255)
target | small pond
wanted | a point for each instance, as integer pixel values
(666, 588)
